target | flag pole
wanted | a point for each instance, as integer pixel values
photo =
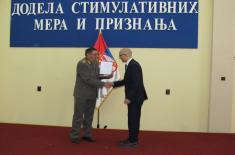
(98, 109)
(98, 118)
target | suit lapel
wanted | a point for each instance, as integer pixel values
(126, 72)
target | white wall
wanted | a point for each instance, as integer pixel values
(233, 106)
(222, 65)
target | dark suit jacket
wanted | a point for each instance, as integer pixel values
(133, 81)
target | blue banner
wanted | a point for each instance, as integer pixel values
(133, 23)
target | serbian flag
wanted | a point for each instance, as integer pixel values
(105, 56)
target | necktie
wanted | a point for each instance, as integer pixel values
(125, 67)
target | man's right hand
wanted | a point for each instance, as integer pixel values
(108, 84)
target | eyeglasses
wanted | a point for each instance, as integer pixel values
(121, 55)
(94, 53)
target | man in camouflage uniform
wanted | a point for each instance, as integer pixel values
(85, 93)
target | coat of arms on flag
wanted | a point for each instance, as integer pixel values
(105, 56)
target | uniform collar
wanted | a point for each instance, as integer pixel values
(88, 61)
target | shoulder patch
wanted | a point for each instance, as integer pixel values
(84, 61)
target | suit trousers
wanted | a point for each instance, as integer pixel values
(134, 113)
(82, 117)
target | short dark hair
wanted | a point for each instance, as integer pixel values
(89, 50)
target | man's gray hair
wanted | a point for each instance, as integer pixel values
(126, 51)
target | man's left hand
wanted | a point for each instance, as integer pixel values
(127, 101)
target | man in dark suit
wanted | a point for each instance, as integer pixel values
(135, 95)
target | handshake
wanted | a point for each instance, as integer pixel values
(108, 84)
